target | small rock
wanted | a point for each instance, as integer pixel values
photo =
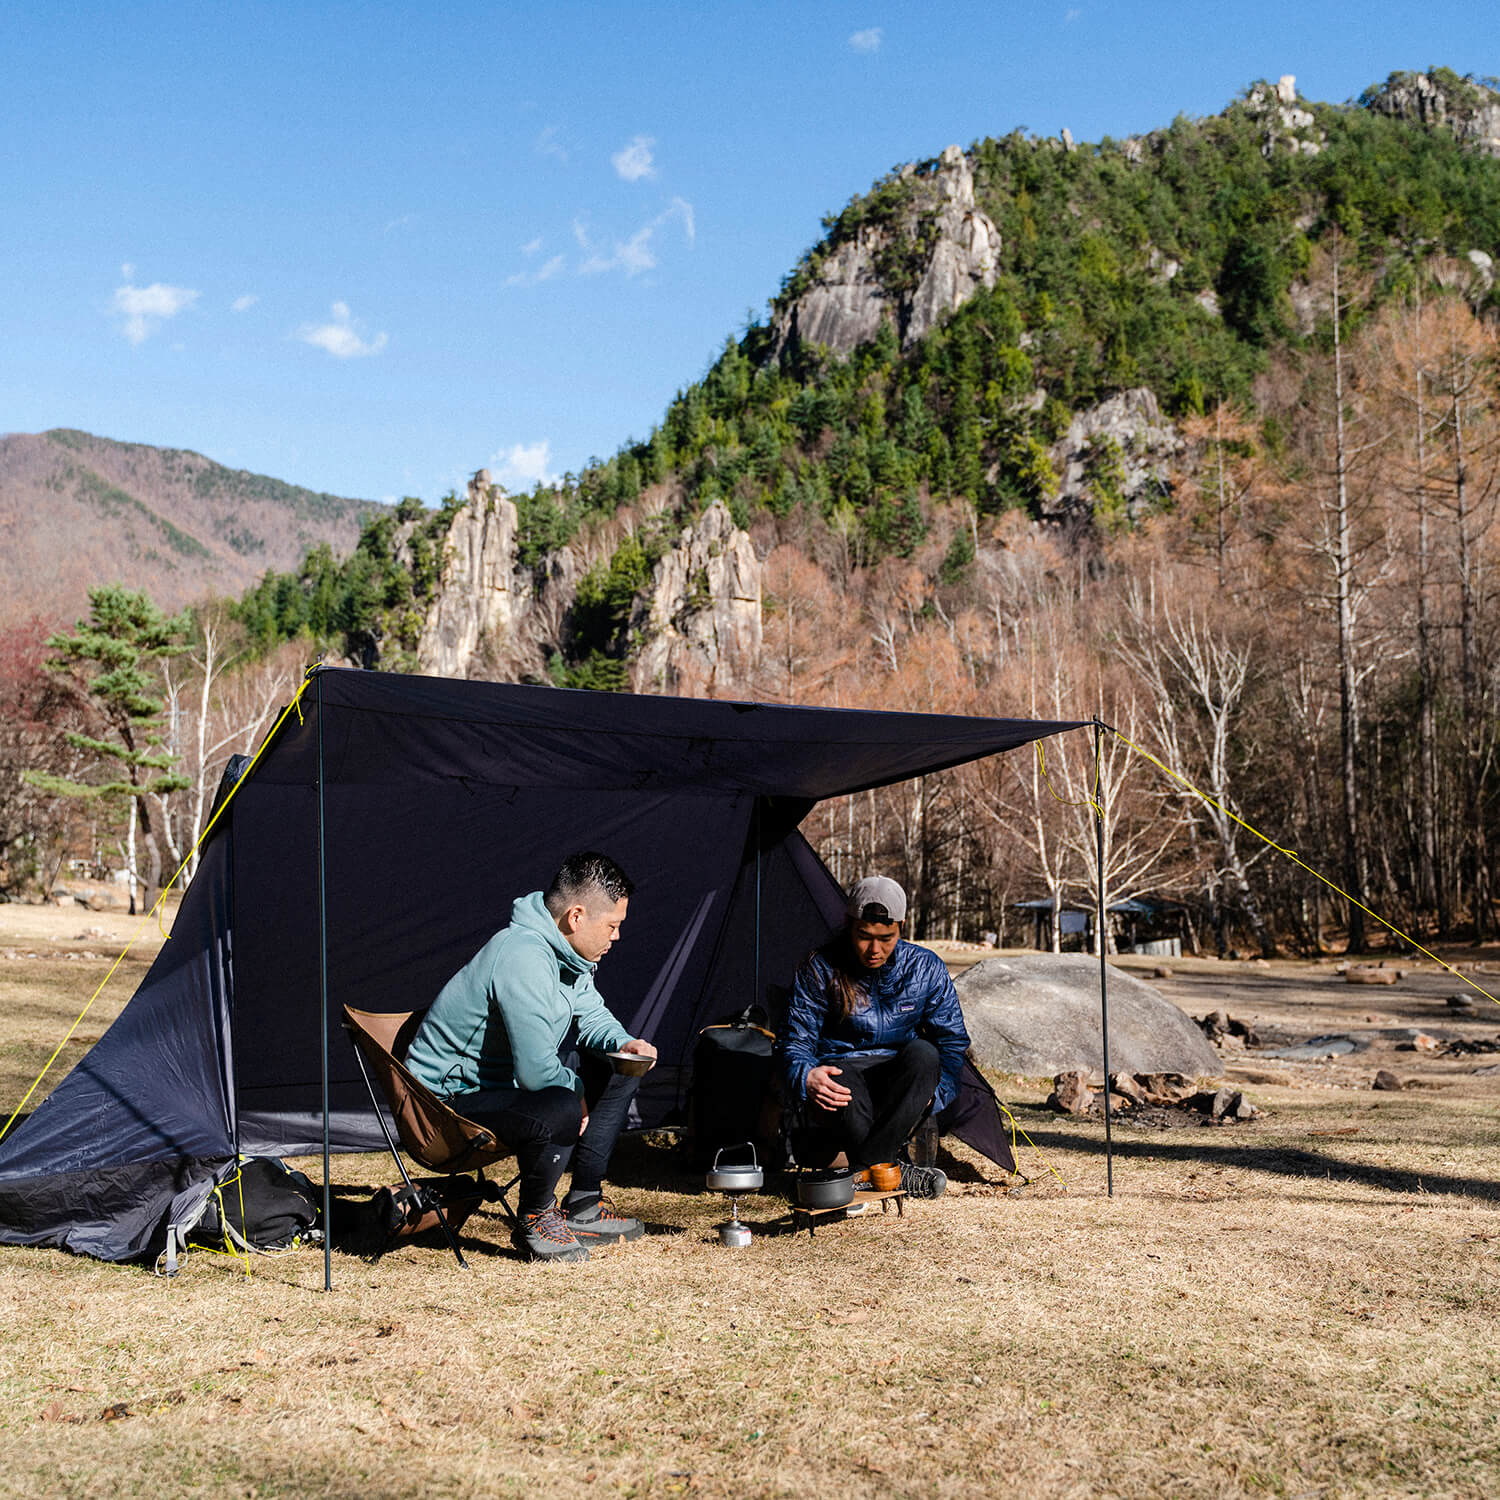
(1071, 1094)
(1161, 971)
(1245, 1110)
(1170, 1087)
(1421, 1042)
(1462, 1003)
(1215, 1025)
(1126, 1087)
(1369, 974)
(1386, 1082)
(1225, 1102)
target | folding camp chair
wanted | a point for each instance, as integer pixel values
(431, 1130)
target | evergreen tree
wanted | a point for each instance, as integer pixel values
(113, 654)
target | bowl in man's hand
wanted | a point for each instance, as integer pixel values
(631, 1064)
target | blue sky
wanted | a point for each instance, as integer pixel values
(372, 247)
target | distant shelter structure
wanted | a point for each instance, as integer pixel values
(1139, 924)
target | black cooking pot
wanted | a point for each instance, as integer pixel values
(831, 1188)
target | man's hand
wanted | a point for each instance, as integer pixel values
(640, 1048)
(823, 1091)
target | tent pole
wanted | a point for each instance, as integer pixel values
(323, 1000)
(1101, 933)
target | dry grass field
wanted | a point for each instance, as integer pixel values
(1304, 1305)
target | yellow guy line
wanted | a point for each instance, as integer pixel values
(156, 908)
(1016, 1154)
(1084, 801)
(1302, 864)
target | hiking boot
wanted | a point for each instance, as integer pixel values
(923, 1182)
(546, 1236)
(600, 1224)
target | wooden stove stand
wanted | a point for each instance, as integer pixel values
(807, 1218)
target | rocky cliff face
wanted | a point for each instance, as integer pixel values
(477, 598)
(697, 624)
(1442, 100)
(1125, 435)
(1287, 124)
(701, 622)
(956, 249)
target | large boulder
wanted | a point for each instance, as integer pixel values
(1038, 1015)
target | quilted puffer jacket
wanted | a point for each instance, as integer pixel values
(911, 995)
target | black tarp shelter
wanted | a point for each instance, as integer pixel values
(434, 803)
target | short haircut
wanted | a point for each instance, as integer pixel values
(580, 876)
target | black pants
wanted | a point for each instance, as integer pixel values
(541, 1127)
(890, 1095)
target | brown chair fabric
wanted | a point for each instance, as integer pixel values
(431, 1131)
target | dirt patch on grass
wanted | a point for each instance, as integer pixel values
(1302, 1305)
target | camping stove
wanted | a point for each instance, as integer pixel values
(734, 1234)
(732, 1179)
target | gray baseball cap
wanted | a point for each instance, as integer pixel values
(880, 892)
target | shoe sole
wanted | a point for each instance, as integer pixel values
(606, 1237)
(562, 1257)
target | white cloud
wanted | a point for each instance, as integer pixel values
(245, 303)
(144, 307)
(636, 254)
(634, 161)
(339, 337)
(547, 144)
(681, 208)
(631, 256)
(524, 465)
(868, 40)
(127, 271)
(1072, 16)
(542, 273)
(394, 224)
(532, 246)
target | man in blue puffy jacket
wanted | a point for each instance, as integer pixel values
(511, 1040)
(874, 1036)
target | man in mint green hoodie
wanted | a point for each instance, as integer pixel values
(509, 1043)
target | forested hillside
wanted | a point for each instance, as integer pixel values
(79, 510)
(1194, 431)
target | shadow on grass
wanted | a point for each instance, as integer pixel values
(1279, 1161)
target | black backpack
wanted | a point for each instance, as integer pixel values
(263, 1206)
(732, 1097)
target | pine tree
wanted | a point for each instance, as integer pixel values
(112, 654)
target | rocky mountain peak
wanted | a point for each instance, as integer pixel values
(478, 600)
(1441, 99)
(1287, 124)
(913, 253)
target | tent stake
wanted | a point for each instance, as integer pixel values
(323, 998)
(1102, 931)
